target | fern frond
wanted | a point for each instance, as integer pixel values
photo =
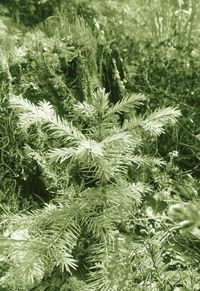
(155, 122)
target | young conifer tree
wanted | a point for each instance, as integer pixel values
(86, 235)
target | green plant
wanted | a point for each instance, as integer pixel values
(93, 190)
(86, 225)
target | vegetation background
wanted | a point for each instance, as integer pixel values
(99, 140)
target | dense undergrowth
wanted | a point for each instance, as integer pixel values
(99, 140)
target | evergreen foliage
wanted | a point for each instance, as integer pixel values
(99, 201)
(97, 176)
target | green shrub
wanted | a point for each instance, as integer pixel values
(103, 203)
(94, 195)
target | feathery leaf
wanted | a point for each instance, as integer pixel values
(155, 122)
(126, 104)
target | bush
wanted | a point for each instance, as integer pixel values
(92, 214)
(97, 191)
